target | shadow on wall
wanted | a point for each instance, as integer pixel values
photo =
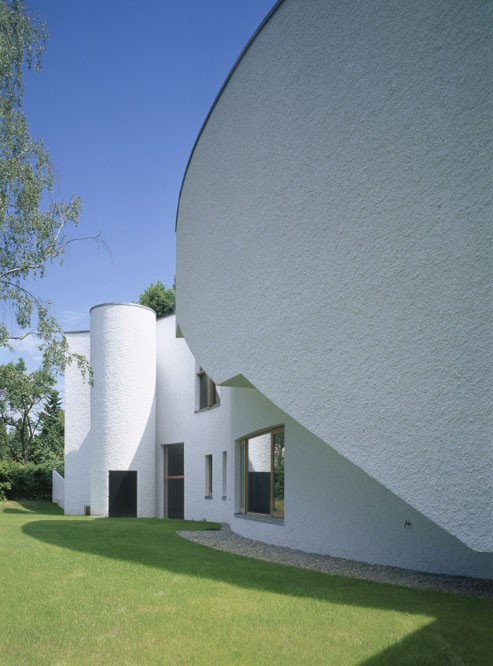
(155, 544)
(144, 461)
(141, 459)
(77, 484)
(334, 507)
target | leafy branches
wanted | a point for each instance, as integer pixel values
(33, 227)
(159, 299)
(28, 406)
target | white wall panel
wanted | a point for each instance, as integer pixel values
(334, 241)
(331, 506)
(77, 405)
(123, 357)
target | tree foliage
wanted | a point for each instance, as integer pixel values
(48, 446)
(32, 225)
(159, 299)
(31, 417)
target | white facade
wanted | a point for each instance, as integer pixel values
(333, 242)
(123, 419)
(77, 488)
(331, 506)
(111, 426)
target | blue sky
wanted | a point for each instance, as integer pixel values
(124, 89)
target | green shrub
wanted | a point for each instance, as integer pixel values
(5, 486)
(18, 481)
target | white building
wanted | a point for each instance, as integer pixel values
(334, 279)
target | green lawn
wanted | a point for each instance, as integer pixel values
(116, 591)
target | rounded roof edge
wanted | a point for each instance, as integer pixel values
(75, 332)
(135, 305)
(267, 18)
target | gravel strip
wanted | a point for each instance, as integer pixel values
(230, 542)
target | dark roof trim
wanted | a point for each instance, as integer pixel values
(245, 49)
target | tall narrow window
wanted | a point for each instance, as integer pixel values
(262, 474)
(208, 476)
(174, 481)
(225, 474)
(207, 391)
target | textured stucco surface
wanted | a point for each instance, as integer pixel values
(334, 242)
(178, 421)
(77, 489)
(58, 489)
(123, 418)
(332, 506)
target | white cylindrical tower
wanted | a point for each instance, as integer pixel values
(123, 422)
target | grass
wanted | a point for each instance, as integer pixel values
(116, 591)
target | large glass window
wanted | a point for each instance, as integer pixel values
(262, 474)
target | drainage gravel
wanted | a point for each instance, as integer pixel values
(230, 542)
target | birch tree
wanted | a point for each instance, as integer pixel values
(35, 229)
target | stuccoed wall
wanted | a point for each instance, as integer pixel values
(332, 506)
(58, 490)
(346, 158)
(123, 428)
(77, 407)
(178, 421)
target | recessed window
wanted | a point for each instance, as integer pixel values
(208, 396)
(208, 476)
(174, 480)
(262, 474)
(225, 474)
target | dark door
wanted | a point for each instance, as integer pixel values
(123, 495)
(174, 481)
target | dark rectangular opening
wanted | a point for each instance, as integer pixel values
(259, 492)
(174, 481)
(175, 498)
(122, 494)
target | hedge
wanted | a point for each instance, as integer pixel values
(18, 481)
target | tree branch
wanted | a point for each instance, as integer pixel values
(25, 291)
(52, 254)
(22, 337)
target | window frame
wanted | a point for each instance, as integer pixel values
(224, 459)
(243, 458)
(209, 487)
(211, 392)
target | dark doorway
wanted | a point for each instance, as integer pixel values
(174, 481)
(123, 495)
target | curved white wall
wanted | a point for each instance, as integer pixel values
(332, 506)
(334, 241)
(123, 427)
